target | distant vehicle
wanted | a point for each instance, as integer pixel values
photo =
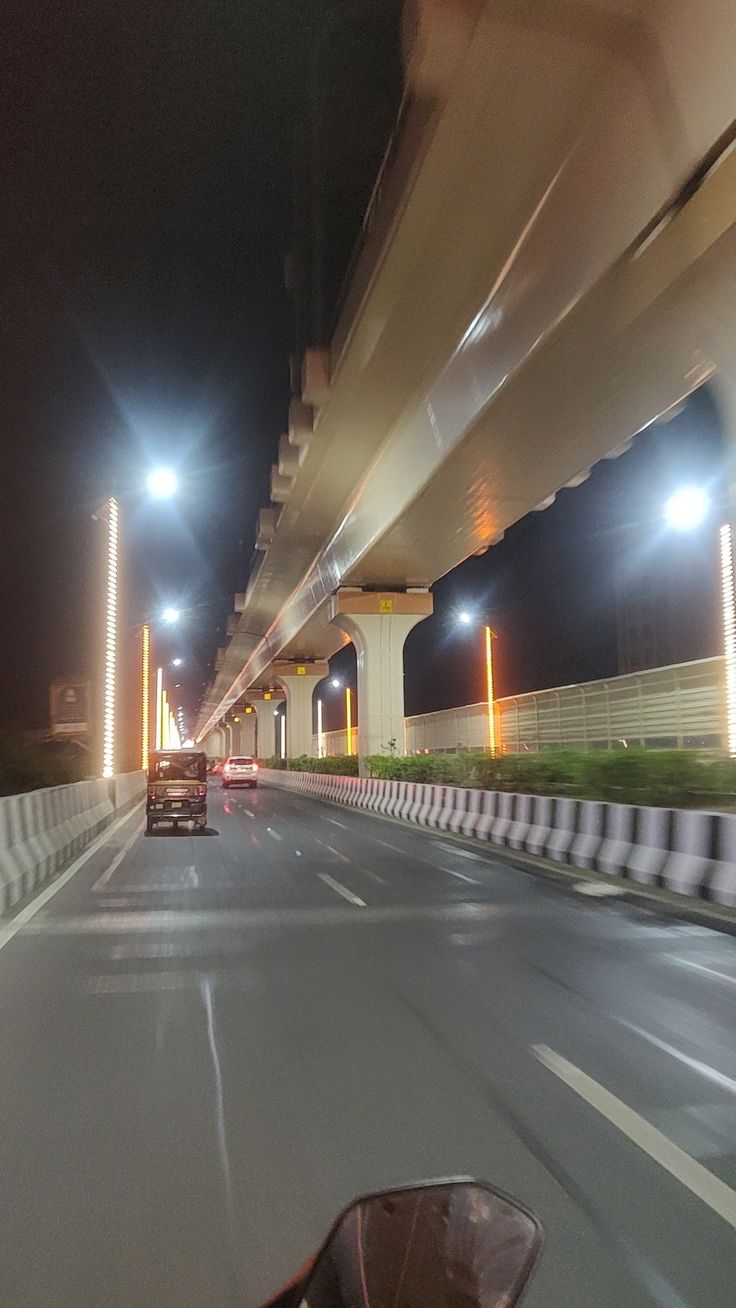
(177, 788)
(240, 772)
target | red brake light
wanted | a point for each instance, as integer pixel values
(202, 791)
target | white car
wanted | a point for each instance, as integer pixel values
(239, 772)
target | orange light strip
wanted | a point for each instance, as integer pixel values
(348, 720)
(145, 694)
(728, 607)
(489, 691)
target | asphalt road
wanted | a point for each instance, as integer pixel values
(210, 1044)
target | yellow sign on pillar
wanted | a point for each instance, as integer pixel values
(386, 604)
(266, 694)
(301, 670)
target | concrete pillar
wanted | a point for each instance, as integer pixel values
(265, 708)
(244, 734)
(378, 624)
(299, 681)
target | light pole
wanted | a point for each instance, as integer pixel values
(169, 616)
(161, 484)
(336, 684)
(467, 619)
(685, 510)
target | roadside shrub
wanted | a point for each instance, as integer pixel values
(339, 765)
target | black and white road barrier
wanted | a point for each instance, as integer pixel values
(685, 850)
(42, 830)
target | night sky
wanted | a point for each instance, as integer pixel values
(148, 204)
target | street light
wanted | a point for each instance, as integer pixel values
(162, 483)
(686, 508)
(466, 619)
(176, 663)
(170, 614)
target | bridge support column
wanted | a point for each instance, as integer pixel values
(245, 740)
(299, 681)
(267, 745)
(378, 624)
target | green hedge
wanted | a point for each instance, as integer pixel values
(679, 778)
(336, 765)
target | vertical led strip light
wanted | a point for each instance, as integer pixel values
(320, 731)
(489, 691)
(111, 640)
(283, 735)
(729, 633)
(159, 708)
(145, 694)
(348, 720)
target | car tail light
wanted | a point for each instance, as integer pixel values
(202, 791)
(255, 767)
(151, 793)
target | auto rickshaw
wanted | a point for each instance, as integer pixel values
(177, 788)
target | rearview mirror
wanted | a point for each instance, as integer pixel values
(453, 1244)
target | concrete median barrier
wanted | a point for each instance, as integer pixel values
(684, 850)
(43, 830)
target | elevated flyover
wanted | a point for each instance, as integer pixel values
(548, 265)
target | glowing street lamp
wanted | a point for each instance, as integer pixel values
(686, 508)
(176, 663)
(162, 483)
(170, 614)
(466, 619)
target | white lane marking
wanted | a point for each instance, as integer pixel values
(710, 1073)
(334, 851)
(696, 1178)
(461, 853)
(700, 967)
(102, 881)
(419, 858)
(248, 813)
(25, 915)
(335, 823)
(273, 833)
(342, 890)
(192, 874)
(460, 875)
(298, 853)
(359, 866)
(599, 889)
